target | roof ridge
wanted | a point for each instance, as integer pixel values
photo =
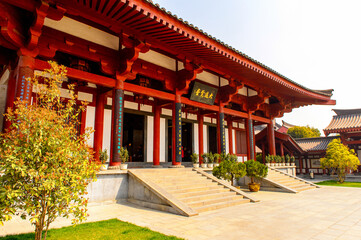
(169, 13)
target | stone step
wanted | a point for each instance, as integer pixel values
(216, 206)
(176, 178)
(200, 193)
(194, 189)
(303, 188)
(214, 201)
(182, 185)
(207, 196)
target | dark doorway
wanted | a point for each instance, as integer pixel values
(187, 143)
(212, 139)
(133, 136)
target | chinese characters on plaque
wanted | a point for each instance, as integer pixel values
(203, 93)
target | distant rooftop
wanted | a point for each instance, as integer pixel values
(314, 144)
(345, 120)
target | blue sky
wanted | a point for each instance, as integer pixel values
(316, 43)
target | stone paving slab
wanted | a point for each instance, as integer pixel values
(325, 213)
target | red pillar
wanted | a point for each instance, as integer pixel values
(10, 97)
(177, 131)
(25, 70)
(99, 124)
(263, 153)
(271, 139)
(250, 137)
(230, 135)
(156, 135)
(200, 136)
(117, 123)
(281, 149)
(300, 163)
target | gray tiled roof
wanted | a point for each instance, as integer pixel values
(314, 144)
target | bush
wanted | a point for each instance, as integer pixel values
(340, 158)
(255, 170)
(45, 165)
(229, 169)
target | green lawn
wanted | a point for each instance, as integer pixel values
(335, 183)
(104, 230)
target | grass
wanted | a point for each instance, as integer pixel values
(112, 229)
(337, 184)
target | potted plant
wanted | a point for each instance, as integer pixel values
(103, 157)
(210, 160)
(272, 160)
(124, 157)
(205, 160)
(255, 171)
(229, 169)
(283, 161)
(216, 159)
(195, 160)
(278, 160)
(292, 160)
(288, 159)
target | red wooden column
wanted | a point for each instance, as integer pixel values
(156, 135)
(25, 70)
(99, 123)
(271, 139)
(221, 131)
(230, 135)
(250, 137)
(117, 122)
(200, 136)
(263, 153)
(300, 163)
(177, 131)
(281, 149)
(10, 97)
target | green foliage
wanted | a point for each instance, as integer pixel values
(195, 158)
(303, 132)
(45, 167)
(110, 229)
(211, 157)
(338, 184)
(270, 158)
(216, 157)
(103, 156)
(255, 169)
(259, 157)
(288, 159)
(340, 158)
(123, 155)
(292, 159)
(229, 169)
(205, 157)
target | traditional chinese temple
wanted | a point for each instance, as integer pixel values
(156, 84)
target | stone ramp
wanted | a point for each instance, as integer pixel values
(287, 182)
(184, 191)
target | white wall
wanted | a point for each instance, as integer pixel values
(205, 138)
(227, 140)
(162, 147)
(107, 130)
(234, 140)
(195, 138)
(150, 125)
(89, 122)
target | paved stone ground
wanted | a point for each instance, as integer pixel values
(326, 213)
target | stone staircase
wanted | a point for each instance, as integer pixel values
(288, 182)
(193, 188)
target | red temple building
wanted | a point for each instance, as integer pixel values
(155, 83)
